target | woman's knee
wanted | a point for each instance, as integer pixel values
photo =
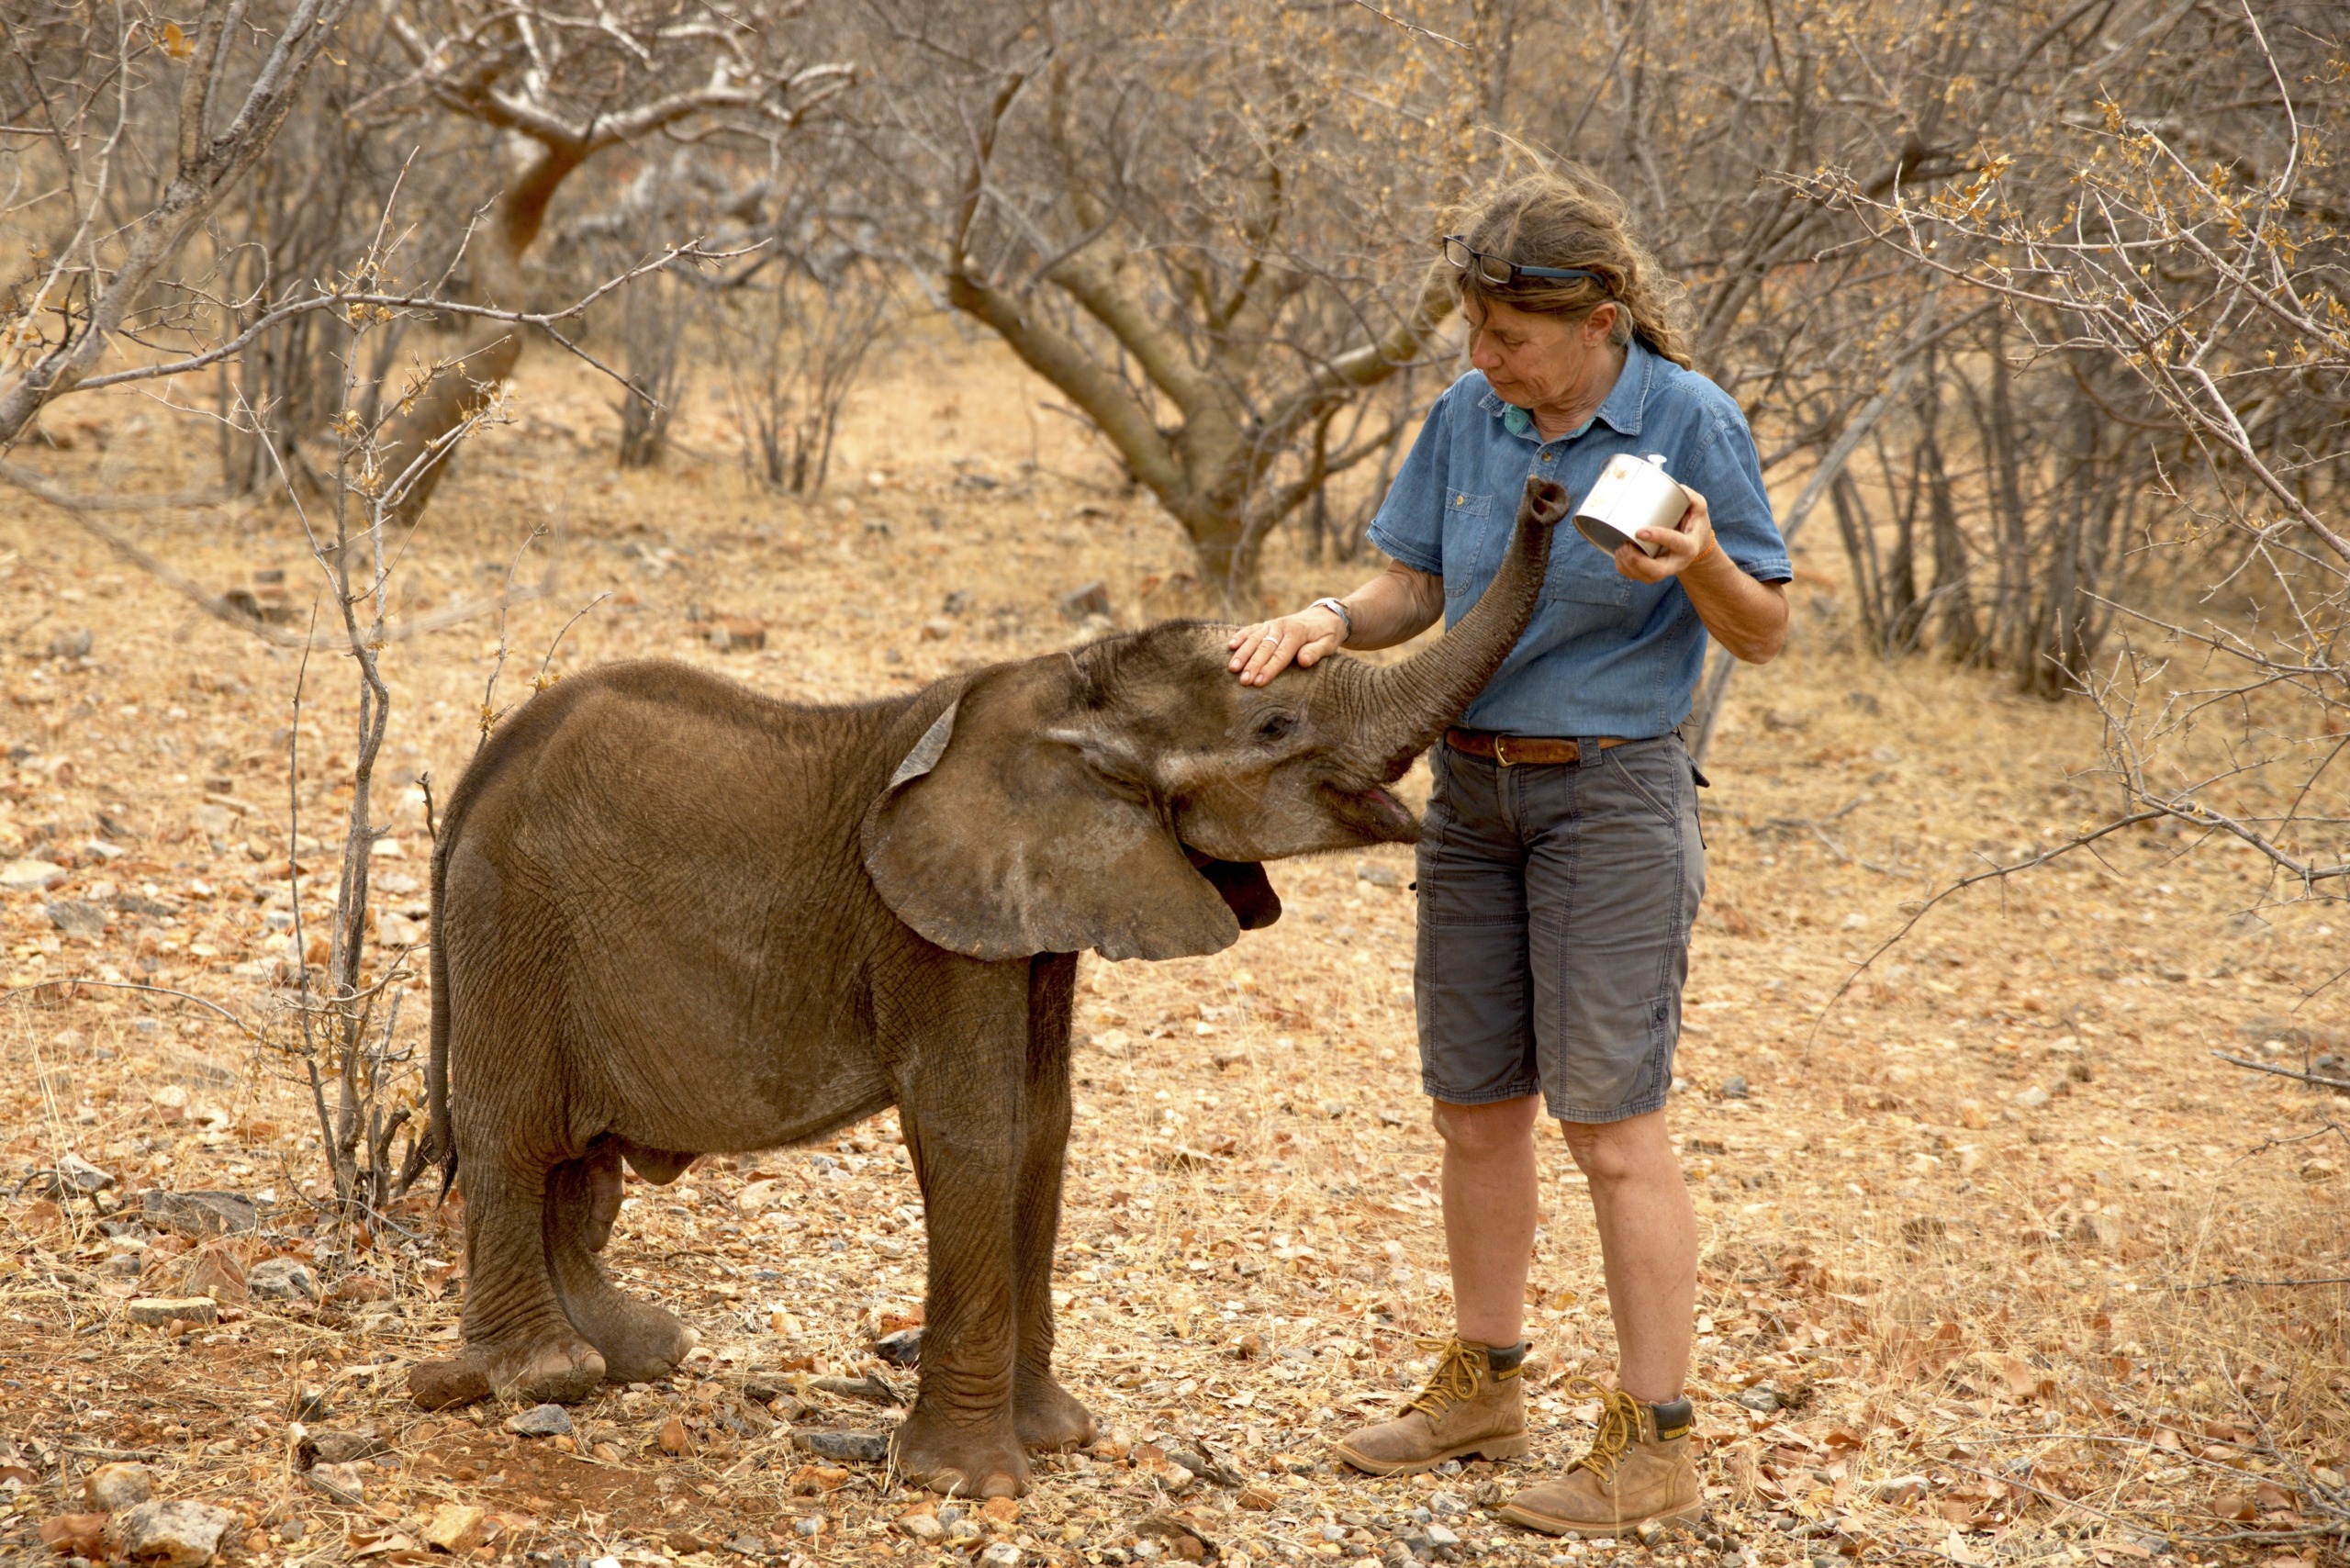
(1481, 1132)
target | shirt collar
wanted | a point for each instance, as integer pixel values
(1622, 410)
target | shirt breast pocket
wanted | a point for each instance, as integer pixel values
(1468, 543)
(1607, 588)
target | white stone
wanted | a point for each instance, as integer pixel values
(170, 1535)
(30, 875)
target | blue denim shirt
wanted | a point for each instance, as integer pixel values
(1603, 654)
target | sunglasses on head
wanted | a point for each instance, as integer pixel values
(1500, 272)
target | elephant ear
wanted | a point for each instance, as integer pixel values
(999, 836)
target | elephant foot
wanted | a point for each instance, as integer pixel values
(959, 1461)
(562, 1370)
(1047, 1417)
(437, 1385)
(641, 1342)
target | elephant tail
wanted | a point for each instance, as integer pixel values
(439, 1139)
(439, 1144)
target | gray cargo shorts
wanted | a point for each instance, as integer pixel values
(1554, 915)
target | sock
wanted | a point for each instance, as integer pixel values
(1505, 1358)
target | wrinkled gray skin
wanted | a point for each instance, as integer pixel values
(673, 917)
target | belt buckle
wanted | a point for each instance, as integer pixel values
(1500, 750)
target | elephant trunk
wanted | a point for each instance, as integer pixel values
(1407, 706)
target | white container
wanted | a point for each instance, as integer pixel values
(1632, 493)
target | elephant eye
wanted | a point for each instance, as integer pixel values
(1276, 726)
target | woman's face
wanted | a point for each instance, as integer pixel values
(1538, 361)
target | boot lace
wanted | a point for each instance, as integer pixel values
(1619, 1423)
(1455, 1380)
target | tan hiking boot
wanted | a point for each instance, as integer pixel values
(1637, 1471)
(1467, 1407)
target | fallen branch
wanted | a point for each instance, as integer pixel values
(83, 514)
(2341, 1083)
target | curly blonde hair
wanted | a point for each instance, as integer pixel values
(1570, 220)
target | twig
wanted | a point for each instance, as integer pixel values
(2238, 1279)
(542, 682)
(1395, 21)
(15, 991)
(2081, 841)
(2341, 1083)
(212, 604)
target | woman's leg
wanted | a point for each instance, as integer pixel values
(1492, 1202)
(1648, 1248)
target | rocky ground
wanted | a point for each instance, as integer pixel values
(2001, 1265)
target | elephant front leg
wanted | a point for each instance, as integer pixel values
(960, 1437)
(1046, 1414)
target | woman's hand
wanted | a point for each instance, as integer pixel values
(1683, 544)
(1263, 651)
(1747, 617)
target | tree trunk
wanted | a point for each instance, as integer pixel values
(486, 353)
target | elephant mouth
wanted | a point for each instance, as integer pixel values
(1375, 813)
(1243, 886)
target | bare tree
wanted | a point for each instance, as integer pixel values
(558, 88)
(88, 83)
(2180, 241)
(1206, 225)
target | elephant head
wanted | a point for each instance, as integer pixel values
(1119, 796)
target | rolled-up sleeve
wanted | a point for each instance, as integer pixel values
(1728, 474)
(1410, 524)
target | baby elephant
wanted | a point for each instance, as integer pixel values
(671, 916)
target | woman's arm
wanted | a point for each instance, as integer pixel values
(1747, 617)
(1395, 607)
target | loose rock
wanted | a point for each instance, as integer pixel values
(2031, 1099)
(455, 1528)
(282, 1279)
(2098, 1232)
(77, 917)
(112, 1487)
(542, 1421)
(860, 1448)
(30, 875)
(172, 1535)
(201, 1215)
(218, 1275)
(902, 1349)
(154, 1311)
(345, 1483)
(1734, 1088)
(1093, 599)
(81, 1175)
(332, 1446)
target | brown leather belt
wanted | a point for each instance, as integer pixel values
(1511, 750)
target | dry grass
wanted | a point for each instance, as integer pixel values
(1987, 1318)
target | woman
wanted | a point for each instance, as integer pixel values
(1561, 864)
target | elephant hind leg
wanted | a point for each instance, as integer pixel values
(519, 1343)
(639, 1342)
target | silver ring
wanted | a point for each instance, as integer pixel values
(1271, 637)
